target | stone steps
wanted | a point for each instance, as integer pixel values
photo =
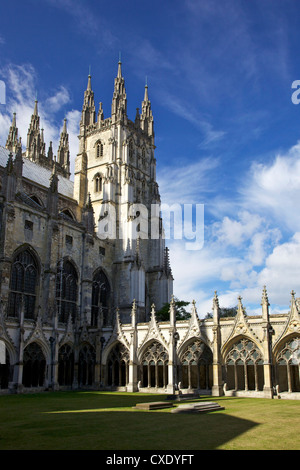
(155, 405)
(203, 407)
(200, 407)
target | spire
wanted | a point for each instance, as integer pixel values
(119, 101)
(12, 139)
(119, 68)
(63, 153)
(146, 116)
(35, 111)
(146, 98)
(33, 148)
(89, 84)
(50, 152)
(88, 114)
(265, 304)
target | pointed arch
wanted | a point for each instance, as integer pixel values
(98, 149)
(243, 361)
(65, 364)
(118, 365)
(101, 299)
(154, 359)
(195, 359)
(66, 290)
(287, 363)
(98, 182)
(24, 282)
(86, 365)
(34, 368)
(68, 214)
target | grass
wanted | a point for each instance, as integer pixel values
(108, 421)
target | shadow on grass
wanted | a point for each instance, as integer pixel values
(108, 421)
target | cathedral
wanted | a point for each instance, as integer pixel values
(82, 277)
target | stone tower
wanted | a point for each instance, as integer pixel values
(116, 168)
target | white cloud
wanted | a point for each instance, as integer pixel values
(21, 81)
(274, 189)
(60, 99)
(186, 183)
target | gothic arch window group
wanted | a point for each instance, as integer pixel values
(23, 285)
(288, 366)
(66, 291)
(118, 366)
(154, 365)
(34, 366)
(244, 366)
(195, 370)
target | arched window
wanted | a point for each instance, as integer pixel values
(34, 366)
(288, 366)
(130, 152)
(23, 285)
(244, 367)
(99, 149)
(65, 365)
(100, 299)
(155, 366)
(98, 183)
(86, 365)
(118, 366)
(196, 366)
(67, 214)
(66, 291)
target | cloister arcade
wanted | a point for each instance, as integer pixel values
(242, 367)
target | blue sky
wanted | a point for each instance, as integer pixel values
(227, 133)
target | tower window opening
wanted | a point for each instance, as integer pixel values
(99, 150)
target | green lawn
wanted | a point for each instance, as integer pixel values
(100, 420)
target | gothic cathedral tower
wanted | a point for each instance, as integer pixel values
(115, 169)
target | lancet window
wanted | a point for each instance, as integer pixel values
(66, 291)
(23, 285)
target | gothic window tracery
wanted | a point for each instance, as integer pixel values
(65, 365)
(288, 366)
(154, 366)
(118, 366)
(66, 291)
(195, 368)
(100, 299)
(244, 366)
(34, 366)
(23, 285)
(86, 365)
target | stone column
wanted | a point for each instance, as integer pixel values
(217, 389)
(132, 385)
(173, 338)
(267, 346)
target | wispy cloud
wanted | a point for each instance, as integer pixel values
(21, 81)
